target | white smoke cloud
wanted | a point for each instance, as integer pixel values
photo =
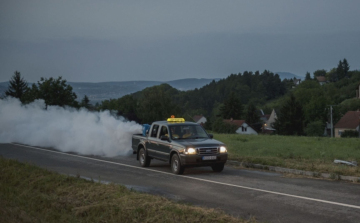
(65, 129)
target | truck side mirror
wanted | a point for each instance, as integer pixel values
(165, 138)
(211, 136)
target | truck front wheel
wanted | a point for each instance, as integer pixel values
(176, 165)
(144, 159)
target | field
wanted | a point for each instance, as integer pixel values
(303, 153)
(32, 194)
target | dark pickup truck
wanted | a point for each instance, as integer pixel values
(181, 144)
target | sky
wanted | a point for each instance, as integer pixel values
(97, 41)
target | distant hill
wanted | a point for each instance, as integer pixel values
(98, 92)
(288, 75)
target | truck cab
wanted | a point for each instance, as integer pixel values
(182, 144)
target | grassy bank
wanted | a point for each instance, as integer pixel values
(32, 194)
(304, 153)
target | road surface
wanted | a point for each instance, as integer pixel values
(267, 196)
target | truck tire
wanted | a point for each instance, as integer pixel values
(176, 167)
(218, 167)
(144, 159)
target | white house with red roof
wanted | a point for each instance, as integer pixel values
(350, 121)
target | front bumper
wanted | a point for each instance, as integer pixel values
(197, 160)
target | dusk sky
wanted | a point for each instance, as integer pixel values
(96, 41)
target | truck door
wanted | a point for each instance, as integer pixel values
(164, 146)
(152, 143)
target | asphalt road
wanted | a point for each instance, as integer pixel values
(268, 196)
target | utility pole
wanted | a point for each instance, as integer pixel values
(331, 121)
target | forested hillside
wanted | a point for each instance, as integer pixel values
(256, 88)
(241, 95)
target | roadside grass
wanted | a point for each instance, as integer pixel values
(31, 194)
(296, 152)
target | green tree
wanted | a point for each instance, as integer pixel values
(53, 91)
(307, 76)
(220, 126)
(346, 67)
(85, 102)
(290, 118)
(319, 73)
(340, 71)
(251, 115)
(17, 86)
(127, 107)
(332, 75)
(155, 105)
(232, 108)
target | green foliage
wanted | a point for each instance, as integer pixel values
(315, 128)
(85, 102)
(220, 126)
(17, 86)
(319, 73)
(53, 91)
(290, 120)
(307, 76)
(251, 114)
(350, 134)
(232, 108)
(352, 104)
(155, 104)
(125, 106)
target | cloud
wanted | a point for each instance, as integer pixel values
(65, 129)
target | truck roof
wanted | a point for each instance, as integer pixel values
(174, 123)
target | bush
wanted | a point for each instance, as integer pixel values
(315, 128)
(350, 134)
(220, 126)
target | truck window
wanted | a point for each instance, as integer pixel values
(154, 131)
(164, 131)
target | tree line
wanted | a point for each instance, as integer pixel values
(301, 110)
(54, 91)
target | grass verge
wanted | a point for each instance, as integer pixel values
(303, 153)
(31, 194)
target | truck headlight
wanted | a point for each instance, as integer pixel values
(190, 151)
(223, 149)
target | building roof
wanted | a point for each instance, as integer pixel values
(238, 123)
(350, 120)
(321, 78)
(196, 118)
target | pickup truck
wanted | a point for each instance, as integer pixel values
(182, 144)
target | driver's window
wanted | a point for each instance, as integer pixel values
(154, 131)
(164, 131)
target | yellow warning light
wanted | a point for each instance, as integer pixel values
(173, 119)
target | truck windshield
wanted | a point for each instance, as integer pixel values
(187, 132)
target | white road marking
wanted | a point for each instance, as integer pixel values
(199, 179)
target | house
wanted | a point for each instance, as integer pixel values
(263, 117)
(200, 119)
(321, 79)
(243, 128)
(350, 121)
(296, 82)
(268, 126)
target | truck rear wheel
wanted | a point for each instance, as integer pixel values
(176, 167)
(218, 167)
(144, 159)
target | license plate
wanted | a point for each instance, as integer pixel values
(209, 157)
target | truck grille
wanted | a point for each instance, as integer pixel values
(207, 151)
